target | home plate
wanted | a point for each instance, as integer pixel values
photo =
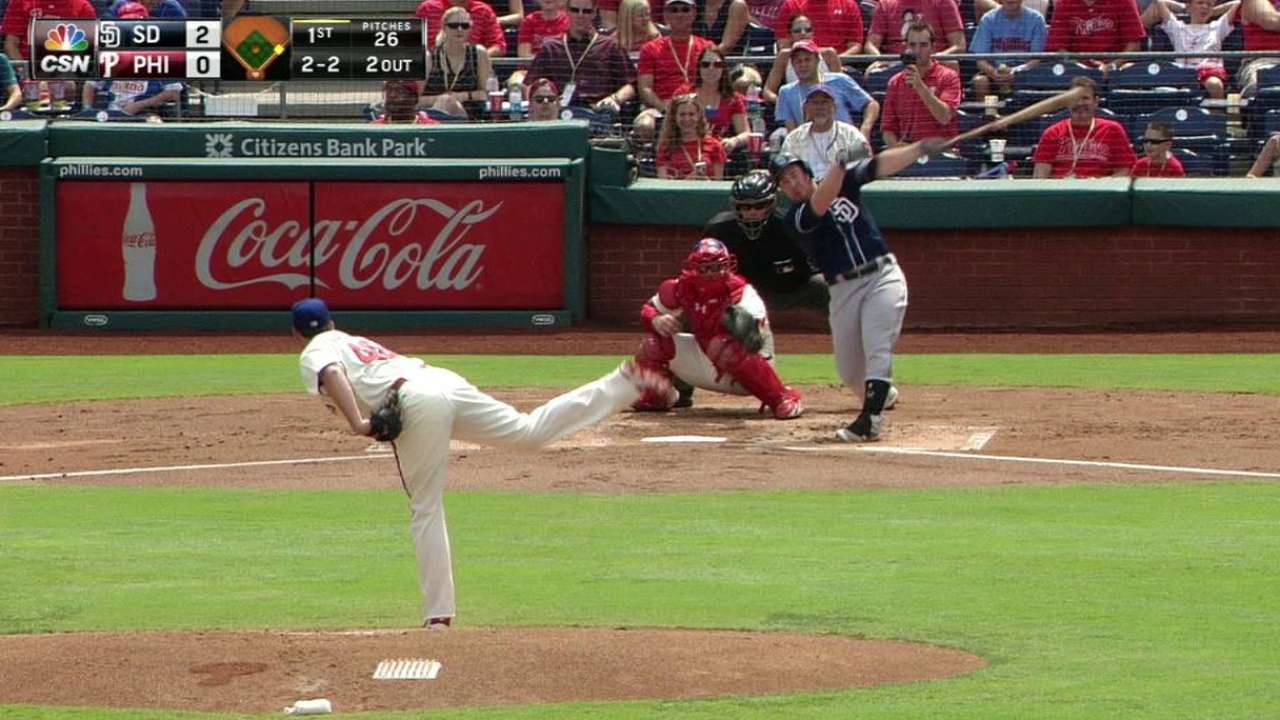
(683, 439)
(915, 437)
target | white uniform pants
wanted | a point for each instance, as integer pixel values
(866, 319)
(439, 404)
(694, 367)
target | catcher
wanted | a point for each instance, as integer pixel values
(730, 349)
(419, 408)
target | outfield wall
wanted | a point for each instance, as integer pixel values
(976, 253)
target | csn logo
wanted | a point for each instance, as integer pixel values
(68, 44)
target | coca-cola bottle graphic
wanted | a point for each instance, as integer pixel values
(139, 246)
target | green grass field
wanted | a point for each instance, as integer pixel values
(1087, 601)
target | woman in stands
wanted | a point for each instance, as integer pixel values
(724, 22)
(400, 105)
(801, 28)
(635, 26)
(686, 148)
(458, 70)
(725, 109)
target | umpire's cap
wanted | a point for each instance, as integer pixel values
(310, 317)
(784, 160)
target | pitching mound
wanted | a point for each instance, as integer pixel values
(264, 672)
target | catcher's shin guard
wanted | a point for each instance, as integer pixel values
(754, 373)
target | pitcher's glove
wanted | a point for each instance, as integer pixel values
(385, 423)
(744, 327)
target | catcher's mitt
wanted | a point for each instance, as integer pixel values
(744, 327)
(385, 423)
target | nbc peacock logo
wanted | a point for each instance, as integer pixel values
(66, 37)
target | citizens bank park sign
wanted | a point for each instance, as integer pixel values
(245, 145)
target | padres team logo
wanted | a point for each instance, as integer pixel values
(842, 210)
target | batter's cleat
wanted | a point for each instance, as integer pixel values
(656, 391)
(790, 406)
(865, 429)
(685, 397)
(892, 398)
(438, 623)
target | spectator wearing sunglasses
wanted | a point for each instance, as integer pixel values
(801, 28)
(483, 28)
(458, 69)
(686, 149)
(726, 110)
(544, 100)
(668, 64)
(836, 24)
(1158, 159)
(591, 68)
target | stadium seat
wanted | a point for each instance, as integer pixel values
(760, 40)
(868, 8)
(1145, 86)
(1048, 78)
(939, 166)
(1197, 164)
(1192, 121)
(876, 83)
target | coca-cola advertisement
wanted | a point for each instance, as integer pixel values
(171, 245)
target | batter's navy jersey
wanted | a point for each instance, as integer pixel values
(846, 236)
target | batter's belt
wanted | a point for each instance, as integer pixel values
(863, 270)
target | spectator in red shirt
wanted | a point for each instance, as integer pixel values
(550, 22)
(836, 24)
(726, 110)
(20, 13)
(1084, 145)
(1101, 26)
(485, 29)
(1157, 160)
(667, 64)
(1261, 20)
(686, 149)
(921, 100)
(889, 26)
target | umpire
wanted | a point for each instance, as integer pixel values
(868, 289)
(767, 256)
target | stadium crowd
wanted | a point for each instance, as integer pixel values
(707, 89)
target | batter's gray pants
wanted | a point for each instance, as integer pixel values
(866, 318)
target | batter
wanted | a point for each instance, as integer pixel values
(358, 375)
(868, 289)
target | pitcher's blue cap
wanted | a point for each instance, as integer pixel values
(310, 316)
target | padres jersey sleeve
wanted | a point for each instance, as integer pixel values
(370, 368)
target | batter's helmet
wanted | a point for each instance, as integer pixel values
(784, 160)
(710, 258)
(753, 189)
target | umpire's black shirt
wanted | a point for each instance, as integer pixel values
(772, 262)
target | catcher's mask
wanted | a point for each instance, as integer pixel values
(753, 190)
(710, 262)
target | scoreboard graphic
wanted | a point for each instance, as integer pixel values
(250, 47)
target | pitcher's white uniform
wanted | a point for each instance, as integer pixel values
(438, 404)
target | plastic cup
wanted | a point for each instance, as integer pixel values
(997, 149)
(755, 143)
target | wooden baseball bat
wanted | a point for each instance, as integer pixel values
(1050, 104)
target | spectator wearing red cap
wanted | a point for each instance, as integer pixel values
(544, 100)
(20, 13)
(1084, 145)
(852, 102)
(836, 24)
(484, 30)
(667, 64)
(1101, 26)
(400, 105)
(921, 100)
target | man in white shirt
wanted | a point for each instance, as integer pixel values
(817, 141)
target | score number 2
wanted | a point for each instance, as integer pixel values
(330, 65)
